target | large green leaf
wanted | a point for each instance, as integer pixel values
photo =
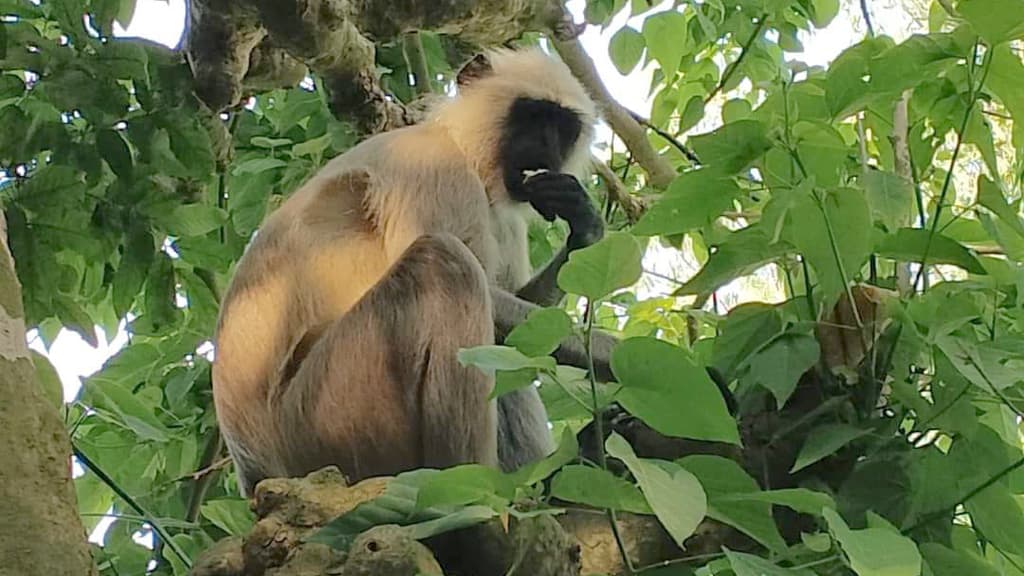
(948, 562)
(194, 220)
(693, 200)
(875, 551)
(662, 386)
(833, 231)
(732, 147)
(996, 20)
(990, 195)
(673, 493)
(999, 516)
(665, 35)
(598, 488)
(723, 478)
(779, 366)
(598, 270)
(824, 441)
(541, 333)
(890, 197)
(626, 48)
(493, 358)
(742, 252)
(910, 244)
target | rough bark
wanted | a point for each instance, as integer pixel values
(235, 46)
(40, 532)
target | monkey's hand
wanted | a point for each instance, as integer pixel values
(559, 195)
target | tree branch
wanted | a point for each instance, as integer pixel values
(621, 120)
(732, 68)
(617, 192)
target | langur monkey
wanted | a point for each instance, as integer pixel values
(338, 336)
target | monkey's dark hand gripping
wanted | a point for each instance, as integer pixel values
(559, 195)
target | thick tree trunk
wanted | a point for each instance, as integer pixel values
(40, 532)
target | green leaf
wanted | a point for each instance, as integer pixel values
(779, 366)
(313, 147)
(541, 333)
(257, 165)
(115, 151)
(875, 551)
(990, 195)
(919, 58)
(397, 505)
(723, 478)
(846, 87)
(271, 143)
(567, 451)
(49, 380)
(464, 518)
(598, 488)
(890, 197)
(194, 220)
(625, 49)
(909, 244)
(694, 199)
(732, 147)
(1006, 79)
(463, 485)
(750, 565)
(798, 499)
(600, 269)
(490, 359)
(136, 258)
(828, 224)
(999, 516)
(742, 252)
(824, 441)
(662, 386)
(997, 21)
(948, 562)
(745, 330)
(666, 38)
(125, 12)
(231, 515)
(132, 411)
(673, 493)
(824, 11)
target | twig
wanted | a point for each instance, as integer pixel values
(134, 505)
(659, 170)
(689, 154)
(731, 68)
(617, 192)
(202, 484)
(952, 161)
(867, 17)
(598, 415)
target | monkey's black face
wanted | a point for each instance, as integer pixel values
(537, 135)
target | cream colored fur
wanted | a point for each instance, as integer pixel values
(336, 342)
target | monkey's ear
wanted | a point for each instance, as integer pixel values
(477, 68)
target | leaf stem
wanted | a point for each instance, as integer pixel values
(973, 97)
(732, 68)
(598, 415)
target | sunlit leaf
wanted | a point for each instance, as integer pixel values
(662, 386)
(674, 494)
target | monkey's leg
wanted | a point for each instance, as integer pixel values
(382, 391)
